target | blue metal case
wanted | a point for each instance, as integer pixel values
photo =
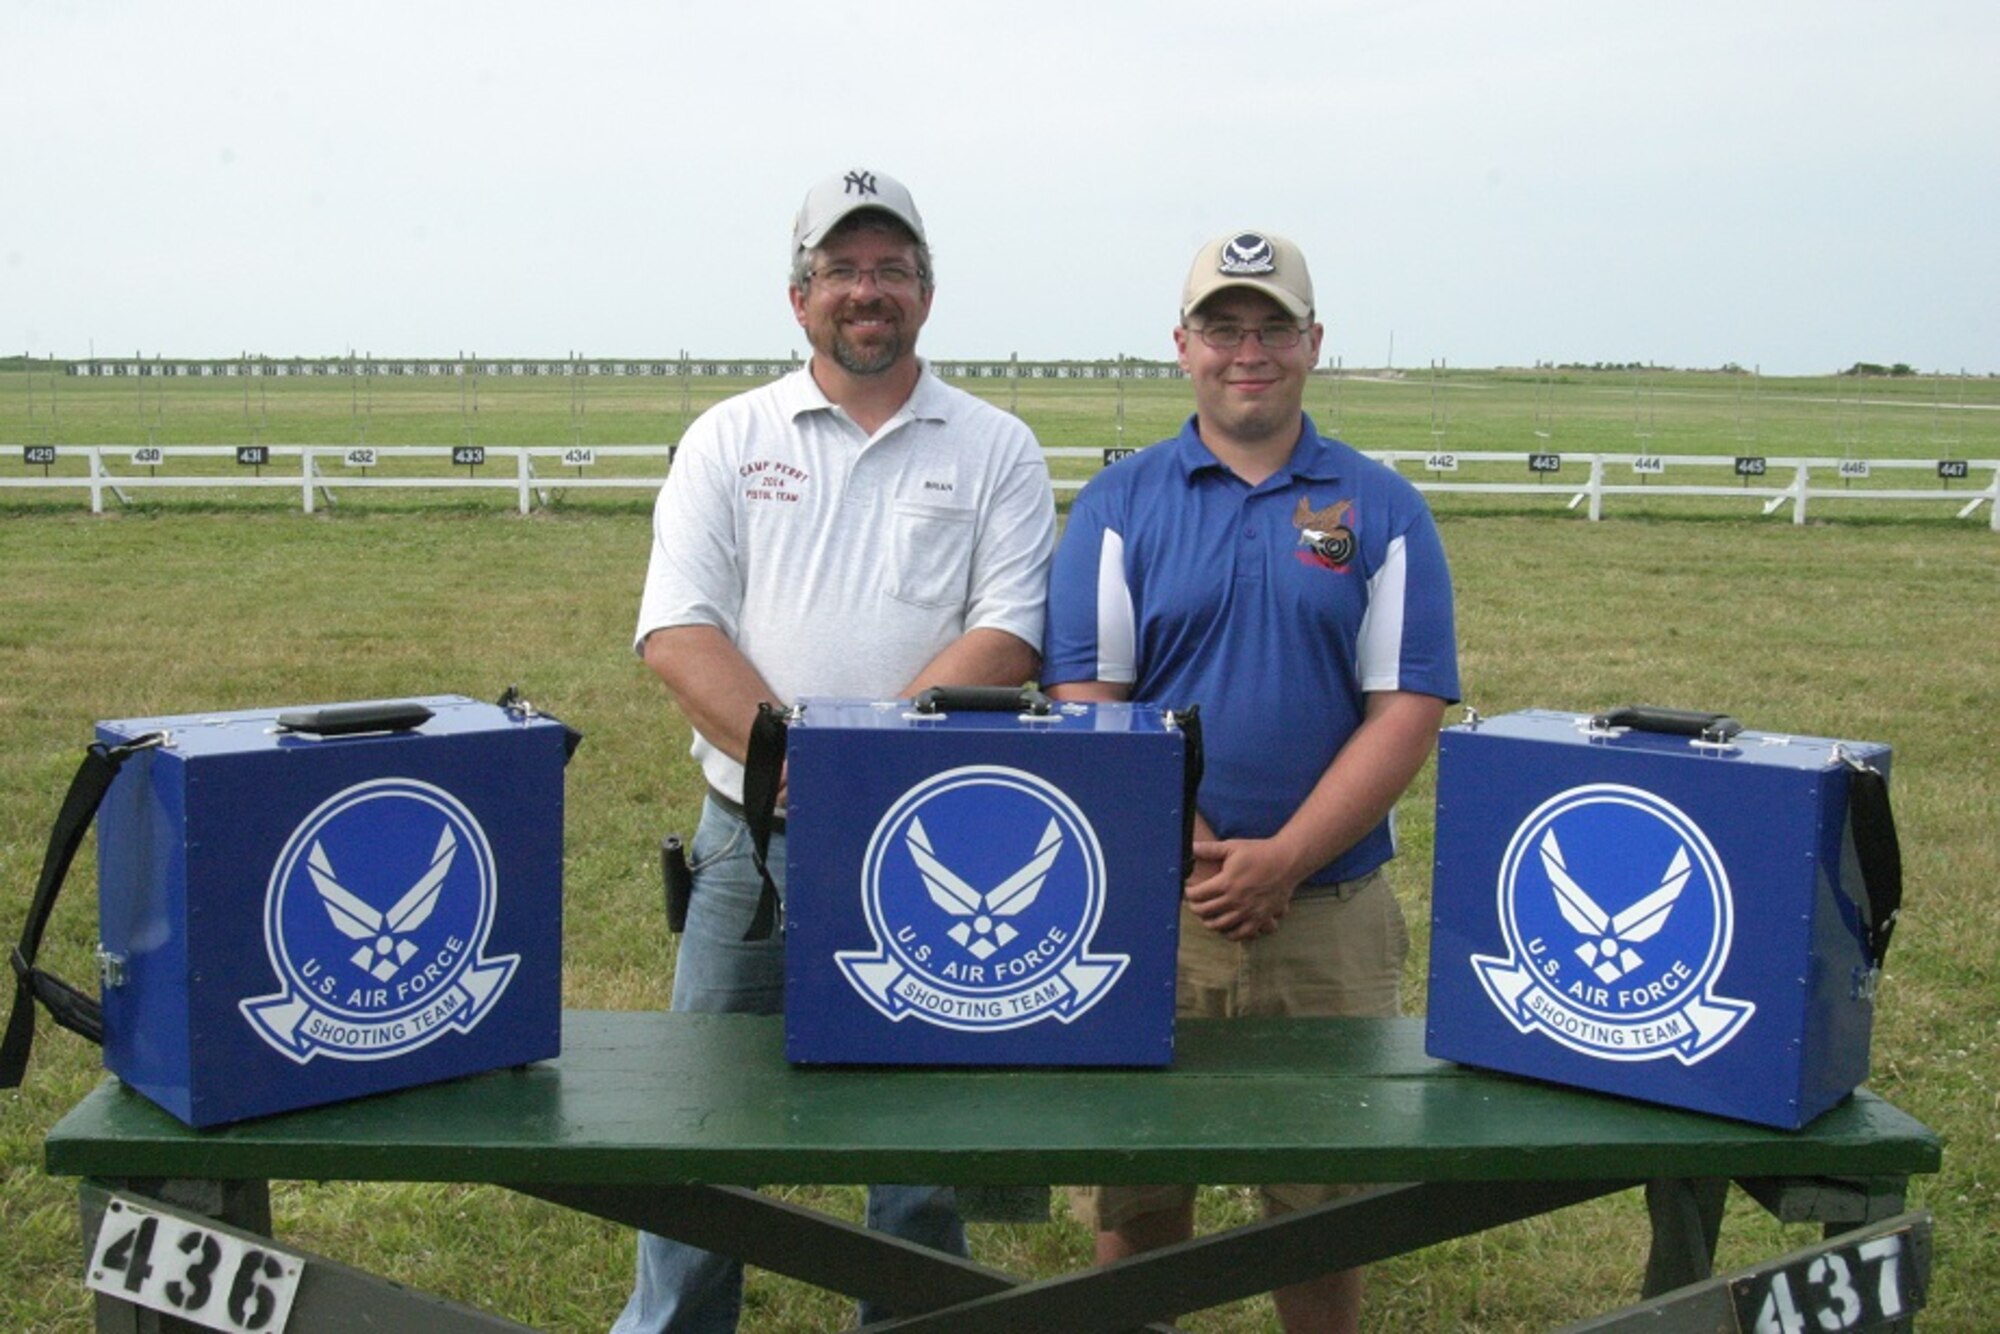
(289, 919)
(1671, 918)
(981, 888)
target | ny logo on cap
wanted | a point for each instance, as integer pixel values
(1248, 253)
(859, 183)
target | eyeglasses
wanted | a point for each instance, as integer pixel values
(1275, 336)
(847, 277)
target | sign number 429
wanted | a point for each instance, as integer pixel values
(210, 1277)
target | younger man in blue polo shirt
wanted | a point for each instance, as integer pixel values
(1297, 591)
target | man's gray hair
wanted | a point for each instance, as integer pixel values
(863, 220)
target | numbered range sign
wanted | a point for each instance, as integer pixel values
(1854, 470)
(470, 456)
(253, 456)
(360, 456)
(1441, 462)
(1545, 462)
(579, 456)
(214, 1278)
(1117, 452)
(147, 456)
(43, 455)
(1952, 470)
(1871, 1283)
(1750, 465)
(1649, 465)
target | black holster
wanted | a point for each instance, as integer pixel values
(678, 881)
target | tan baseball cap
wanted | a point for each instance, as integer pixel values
(1259, 261)
(837, 196)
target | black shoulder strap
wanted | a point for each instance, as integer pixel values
(69, 1007)
(763, 774)
(1189, 721)
(1879, 852)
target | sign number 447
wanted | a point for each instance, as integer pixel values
(166, 1263)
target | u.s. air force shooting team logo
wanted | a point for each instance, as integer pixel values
(982, 887)
(375, 919)
(1618, 923)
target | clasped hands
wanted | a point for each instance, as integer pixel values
(1240, 887)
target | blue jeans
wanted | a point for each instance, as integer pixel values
(682, 1289)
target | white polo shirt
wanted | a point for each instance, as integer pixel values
(840, 563)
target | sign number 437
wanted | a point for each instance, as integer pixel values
(204, 1275)
(1865, 1285)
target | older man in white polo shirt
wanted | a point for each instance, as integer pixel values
(857, 528)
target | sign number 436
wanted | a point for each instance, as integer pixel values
(210, 1277)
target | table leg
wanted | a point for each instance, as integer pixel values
(1687, 1219)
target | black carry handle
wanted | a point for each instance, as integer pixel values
(1870, 819)
(984, 699)
(389, 715)
(1712, 727)
(69, 1007)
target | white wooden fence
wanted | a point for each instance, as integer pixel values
(1773, 482)
(319, 473)
(534, 473)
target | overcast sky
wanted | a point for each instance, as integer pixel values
(1791, 186)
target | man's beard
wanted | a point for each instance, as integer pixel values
(870, 358)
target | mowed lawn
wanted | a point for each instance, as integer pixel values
(1873, 624)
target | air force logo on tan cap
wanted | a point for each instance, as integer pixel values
(1256, 260)
(1246, 253)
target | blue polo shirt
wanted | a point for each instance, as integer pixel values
(1276, 608)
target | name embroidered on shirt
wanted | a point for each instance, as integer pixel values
(937, 486)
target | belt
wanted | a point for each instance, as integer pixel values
(1340, 891)
(731, 807)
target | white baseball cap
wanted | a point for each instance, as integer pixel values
(837, 196)
(1260, 261)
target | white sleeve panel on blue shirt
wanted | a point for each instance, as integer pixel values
(1379, 651)
(1117, 631)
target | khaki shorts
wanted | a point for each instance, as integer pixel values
(1338, 952)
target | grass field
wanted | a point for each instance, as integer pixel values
(1876, 624)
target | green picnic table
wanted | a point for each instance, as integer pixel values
(666, 1122)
